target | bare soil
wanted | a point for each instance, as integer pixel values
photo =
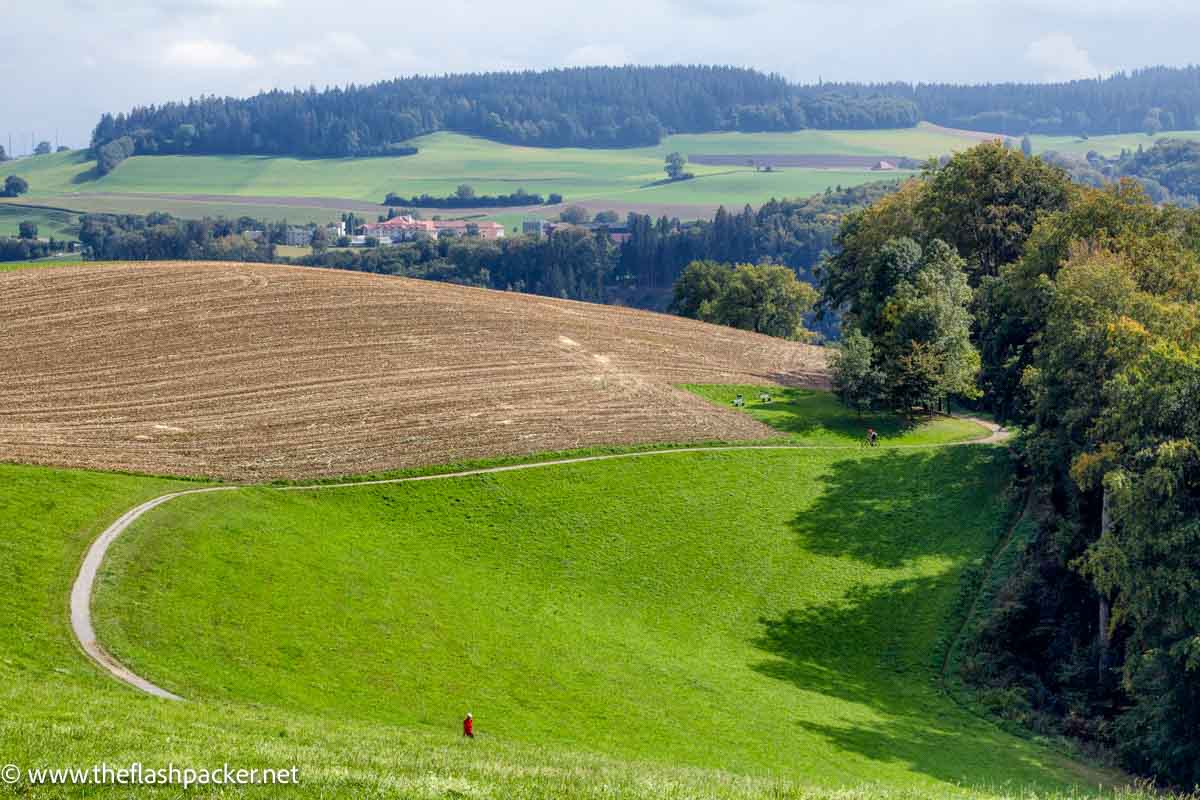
(254, 372)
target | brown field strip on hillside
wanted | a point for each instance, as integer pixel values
(258, 372)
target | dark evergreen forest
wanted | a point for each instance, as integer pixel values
(630, 106)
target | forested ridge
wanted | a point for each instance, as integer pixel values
(630, 106)
(580, 107)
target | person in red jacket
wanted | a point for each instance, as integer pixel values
(469, 726)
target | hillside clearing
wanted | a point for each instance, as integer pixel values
(259, 372)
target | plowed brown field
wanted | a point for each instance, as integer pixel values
(255, 372)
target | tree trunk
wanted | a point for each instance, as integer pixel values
(1104, 611)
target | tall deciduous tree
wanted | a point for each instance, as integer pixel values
(15, 185)
(762, 298)
(674, 166)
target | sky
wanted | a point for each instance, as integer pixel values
(65, 62)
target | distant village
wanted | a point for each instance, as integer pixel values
(406, 228)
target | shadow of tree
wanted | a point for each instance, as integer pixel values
(87, 176)
(803, 411)
(872, 647)
(904, 504)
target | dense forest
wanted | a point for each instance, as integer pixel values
(583, 107)
(630, 106)
(1073, 313)
(1168, 172)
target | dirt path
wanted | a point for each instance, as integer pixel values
(85, 581)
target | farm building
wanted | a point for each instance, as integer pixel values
(883, 166)
(405, 228)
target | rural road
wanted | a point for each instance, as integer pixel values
(85, 581)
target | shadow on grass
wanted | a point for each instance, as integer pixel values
(870, 648)
(888, 510)
(876, 646)
(87, 176)
(799, 411)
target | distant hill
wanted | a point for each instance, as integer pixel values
(631, 106)
(582, 107)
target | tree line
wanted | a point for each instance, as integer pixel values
(580, 107)
(465, 197)
(159, 236)
(1168, 171)
(1073, 313)
(631, 106)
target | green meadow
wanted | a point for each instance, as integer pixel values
(772, 613)
(813, 418)
(50, 222)
(753, 623)
(1105, 145)
(622, 179)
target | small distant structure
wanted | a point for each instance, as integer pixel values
(739, 402)
(617, 232)
(883, 166)
(537, 228)
(302, 235)
(764, 397)
(403, 228)
(296, 236)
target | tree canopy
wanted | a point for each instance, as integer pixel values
(1080, 310)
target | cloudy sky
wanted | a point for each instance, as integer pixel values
(65, 62)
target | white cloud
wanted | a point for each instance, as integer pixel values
(207, 54)
(591, 55)
(1059, 58)
(334, 46)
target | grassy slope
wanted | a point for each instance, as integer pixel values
(790, 625)
(446, 160)
(56, 710)
(1105, 145)
(619, 177)
(817, 418)
(54, 261)
(57, 224)
(827, 583)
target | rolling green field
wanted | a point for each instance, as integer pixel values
(1105, 145)
(624, 179)
(712, 624)
(817, 418)
(791, 625)
(59, 224)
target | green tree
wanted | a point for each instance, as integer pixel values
(698, 287)
(925, 342)
(985, 202)
(3, 154)
(856, 378)
(43, 148)
(320, 239)
(766, 299)
(674, 166)
(113, 153)
(15, 185)
(465, 192)
(27, 229)
(607, 217)
(575, 215)
(1026, 146)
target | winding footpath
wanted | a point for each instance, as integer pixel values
(85, 581)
